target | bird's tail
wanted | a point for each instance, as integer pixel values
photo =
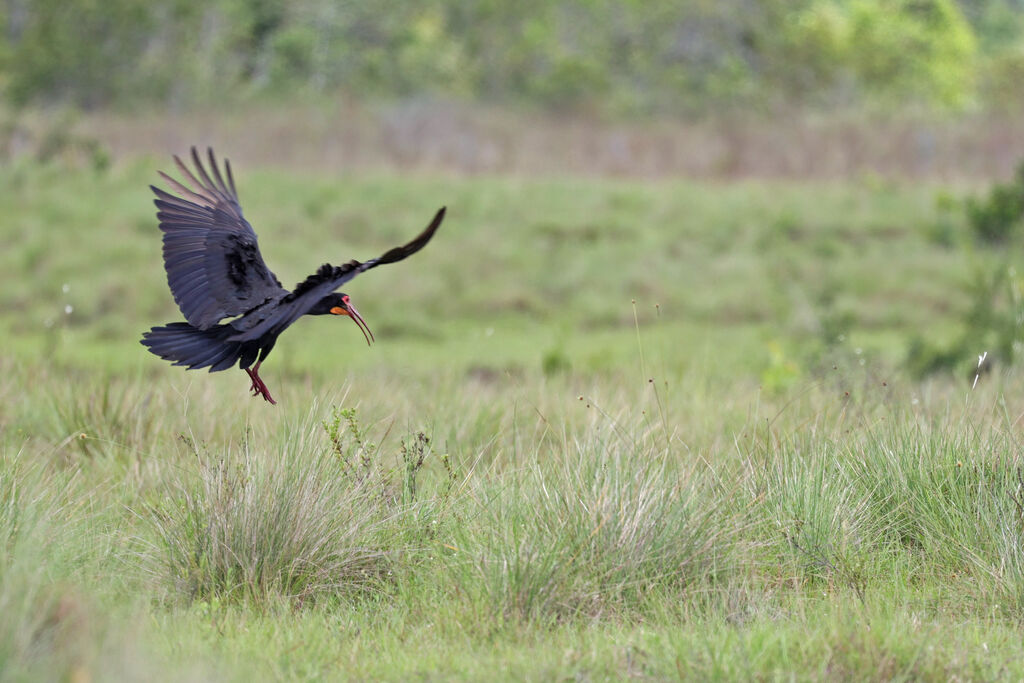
(192, 347)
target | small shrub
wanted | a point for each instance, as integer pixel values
(998, 218)
(555, 361)
(991, 324)
(361, 462)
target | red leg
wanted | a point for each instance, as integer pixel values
(258, 388)
(255, 388)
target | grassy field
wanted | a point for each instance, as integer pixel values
(609, 429)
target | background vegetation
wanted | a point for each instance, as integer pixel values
(617, 58)
(688, 385)
(739, 476)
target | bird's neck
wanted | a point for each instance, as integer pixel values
(322, 307)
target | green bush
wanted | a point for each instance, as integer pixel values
(998, 217)
(992, 325)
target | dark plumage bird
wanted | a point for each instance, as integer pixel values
(215, 271)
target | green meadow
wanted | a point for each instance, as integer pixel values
(610, 429)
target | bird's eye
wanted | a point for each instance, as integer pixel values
(345, 298)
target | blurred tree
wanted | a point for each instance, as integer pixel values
(999, 24)
(75, 50)
(617, 56)
(892, 52)
(912, 50)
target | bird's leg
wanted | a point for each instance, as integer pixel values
(258, 388)
(264, 391)
(255, 388)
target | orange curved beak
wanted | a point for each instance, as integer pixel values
(351, 312)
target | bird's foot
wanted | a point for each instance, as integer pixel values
(258, 388)
(265, 393)
(255, 387)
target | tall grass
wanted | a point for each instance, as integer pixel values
(286, 519)
(47, 621)
(587, 526)
(609, 523)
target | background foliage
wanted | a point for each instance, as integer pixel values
(676, 392)
(656, 56)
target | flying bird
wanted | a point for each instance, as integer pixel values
(215, 271)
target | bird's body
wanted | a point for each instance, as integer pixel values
(215, 271)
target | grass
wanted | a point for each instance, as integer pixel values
(521, 479)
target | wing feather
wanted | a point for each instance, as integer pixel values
(326, 279)
(216, 173)
(211, 253)
(231, 178)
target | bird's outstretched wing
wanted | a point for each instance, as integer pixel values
(327, 279)
(211, 255)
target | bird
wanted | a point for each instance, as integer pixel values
(216, 273)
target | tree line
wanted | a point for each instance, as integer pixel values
(620, 57)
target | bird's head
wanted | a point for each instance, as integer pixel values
(338, 303)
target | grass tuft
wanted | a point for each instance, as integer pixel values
(258, 523)
(589, 527)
